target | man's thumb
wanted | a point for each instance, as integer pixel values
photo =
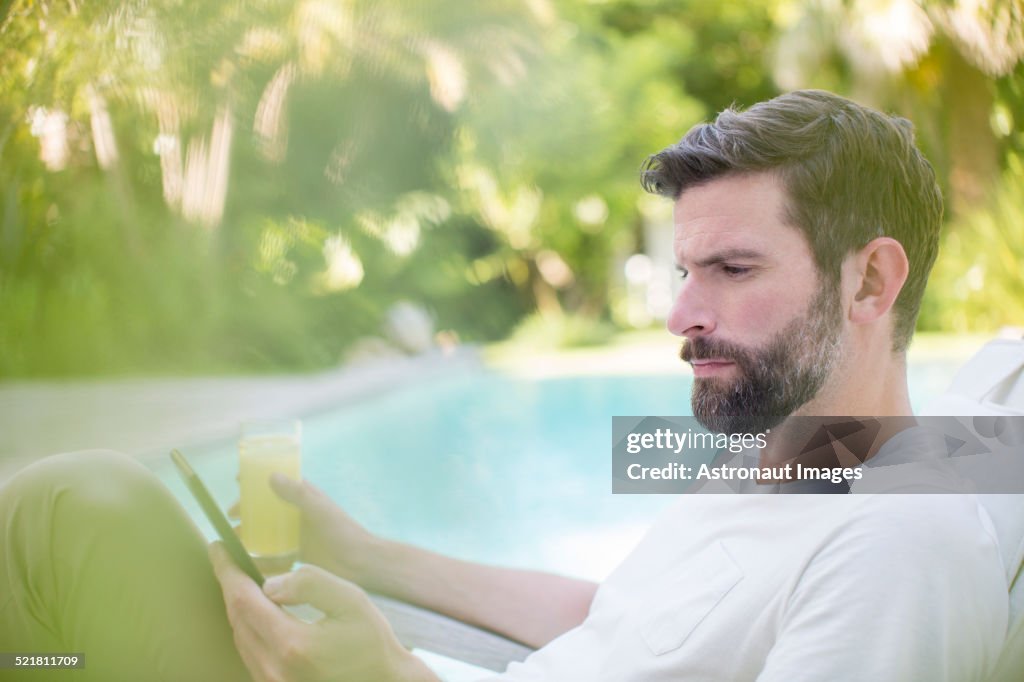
(314, 586)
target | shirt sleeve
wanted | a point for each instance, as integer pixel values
(915, 594)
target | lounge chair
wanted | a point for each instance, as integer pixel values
(992, 383)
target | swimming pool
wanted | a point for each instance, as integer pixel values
(481, 465)
(489, 467)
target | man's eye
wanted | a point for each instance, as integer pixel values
(734, 270)
(683, 273)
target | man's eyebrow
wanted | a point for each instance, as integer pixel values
(728, 255)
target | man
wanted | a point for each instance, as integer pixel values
(805, 230)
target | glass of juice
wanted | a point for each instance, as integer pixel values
(270, 526)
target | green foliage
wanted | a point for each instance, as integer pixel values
(231, 186)
(978, 280)
(339, 117)
(562, 331)
(718, 52)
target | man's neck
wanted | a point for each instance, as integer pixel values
(862, 389)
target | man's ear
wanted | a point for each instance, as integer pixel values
(879, 271)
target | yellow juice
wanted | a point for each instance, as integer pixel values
(270, 526)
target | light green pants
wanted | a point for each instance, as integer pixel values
(97, 557)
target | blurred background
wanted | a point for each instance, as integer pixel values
(283, 189)
(242, 187)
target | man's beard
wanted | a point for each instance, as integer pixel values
(775, 380)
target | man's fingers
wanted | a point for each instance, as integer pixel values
(299, 493)
(246, 605)
(238, 588)
(254, 635)
(221, 561)
(314, 586)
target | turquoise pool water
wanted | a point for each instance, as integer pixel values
(488, 467)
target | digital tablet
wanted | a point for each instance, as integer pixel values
(217, 518)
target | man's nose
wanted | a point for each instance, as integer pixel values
(691, 314)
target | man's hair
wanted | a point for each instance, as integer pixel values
(851, 174)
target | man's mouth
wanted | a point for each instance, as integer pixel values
(709, 367)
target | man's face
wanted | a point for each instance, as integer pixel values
(763, 333)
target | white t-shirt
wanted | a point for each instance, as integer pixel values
(794, 587)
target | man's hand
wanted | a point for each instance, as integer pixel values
(353, 641)
(528, 606)
(330, 538)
